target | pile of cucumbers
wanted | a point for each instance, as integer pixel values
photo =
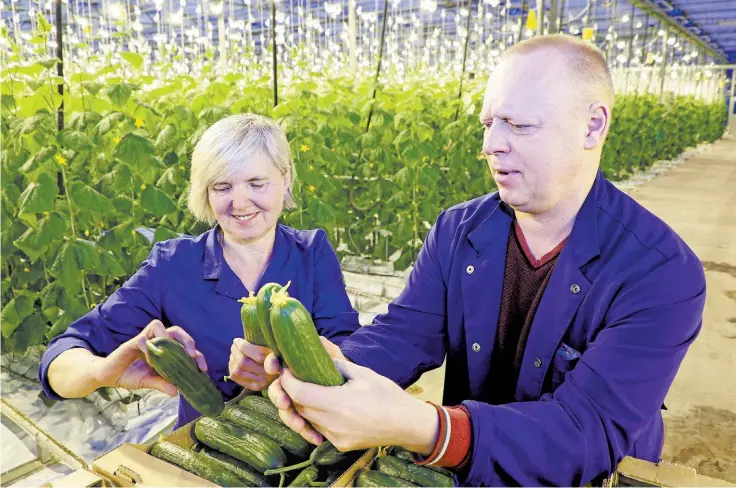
(247, 445)
(398, 469)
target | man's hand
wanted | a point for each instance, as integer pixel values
(127, 366)
(354, 415)
(246, 365)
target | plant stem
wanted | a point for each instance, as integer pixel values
(69, 202)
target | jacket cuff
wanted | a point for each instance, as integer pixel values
(453, 448)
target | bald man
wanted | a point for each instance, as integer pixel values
(563, 307)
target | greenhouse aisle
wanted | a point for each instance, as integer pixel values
(698, 199)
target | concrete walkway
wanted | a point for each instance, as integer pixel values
(698, 200)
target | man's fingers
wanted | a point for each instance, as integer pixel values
(332, 349)
(348, 369)
(308, 394)
(278, 396)
(298, 424)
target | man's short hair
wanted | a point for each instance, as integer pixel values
(585, 63)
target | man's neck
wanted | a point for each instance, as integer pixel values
(545, 231)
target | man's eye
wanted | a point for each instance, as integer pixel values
(520, 126)
(258, 186)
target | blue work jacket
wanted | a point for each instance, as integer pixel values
(623, 304)
(187, 282)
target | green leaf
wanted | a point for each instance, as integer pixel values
(38, 196)
(134, 149)
(171, 181)
(42, 122)
(43, 24)
(59, 326)
(82, 120)
(29, 333)
(14, 312)
(74, 258)
(108, 122)
(49, 63)
(123, 204)
(35, 242)
(74, 140)
(38, 159)
(156, 202)
(166, 137)
(136, 60)
(120, 93)
(109, 266)
(92, 88)
(66, 268)
(164, 234)
(90, 199)
(119, 181)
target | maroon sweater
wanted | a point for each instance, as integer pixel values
(525, 279)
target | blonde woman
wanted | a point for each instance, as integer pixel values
(188, 289)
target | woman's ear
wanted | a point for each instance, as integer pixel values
(599, 121)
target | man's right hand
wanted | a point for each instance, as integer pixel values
(287, 410)
(126, 367)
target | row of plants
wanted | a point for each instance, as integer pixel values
(72, 199)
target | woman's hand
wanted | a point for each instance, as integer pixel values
(126, 367)
(246, 365)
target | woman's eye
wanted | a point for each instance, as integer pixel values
(520, 126)
(220, 189)
(258, 186)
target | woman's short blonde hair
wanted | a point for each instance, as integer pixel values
(226, 147)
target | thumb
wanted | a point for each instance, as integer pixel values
(160, 384)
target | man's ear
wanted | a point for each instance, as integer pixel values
(599, 121)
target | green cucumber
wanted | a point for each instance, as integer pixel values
(252, 330)
(375, 479)
(299, 344)
(262, 406)
(175, 365)
(194, 463)
(263, 305)
(324, 455)
(406, 455)
(418, 475)
(256, 450)
(246, 474)
(289, 440)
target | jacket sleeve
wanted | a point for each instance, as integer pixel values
(333, 315)
(590, 422)
(123, 315)
(410, 338)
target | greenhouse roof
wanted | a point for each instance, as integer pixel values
(703, 24)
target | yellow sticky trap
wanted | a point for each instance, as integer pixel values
(531, 20)
(650, 58)
(587, 33)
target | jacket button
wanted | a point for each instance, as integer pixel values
(476, 347)
(470, 269)
(537, 363)
(575, 288)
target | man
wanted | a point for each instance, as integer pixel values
(564, 307)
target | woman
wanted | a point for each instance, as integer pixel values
(188, 289)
